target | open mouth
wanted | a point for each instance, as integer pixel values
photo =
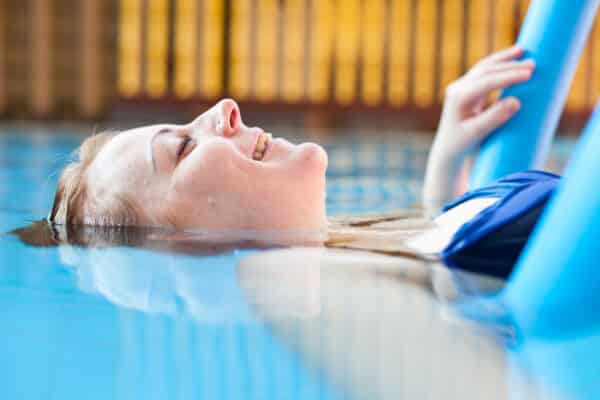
(262, 144)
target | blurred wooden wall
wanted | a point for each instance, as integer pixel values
(57, 58)
(69, 58)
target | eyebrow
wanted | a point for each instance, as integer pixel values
(150, 149)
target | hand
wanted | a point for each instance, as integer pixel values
(467, 118)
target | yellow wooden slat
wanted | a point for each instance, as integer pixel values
(130, 47)
(42, 96)
(265, 88)
(504, 24)
(157, 31)
(373, 41)
(478, 31)
(211, 78)
(504, 34)
(292, 81)
(347, 40)
(321, 48)
(423, 84)
(3, 60)
(452, 43)
(523, 7)
(90, 94)
(577, 100)
(399, 57)
(239, 49)
(595, 72)
(186, 43)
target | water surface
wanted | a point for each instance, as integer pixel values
(127, 321)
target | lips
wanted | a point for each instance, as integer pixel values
(262, 144)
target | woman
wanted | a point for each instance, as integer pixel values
(217, 173)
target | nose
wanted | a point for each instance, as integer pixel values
(228, 117)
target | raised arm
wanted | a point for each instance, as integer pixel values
(468, 118)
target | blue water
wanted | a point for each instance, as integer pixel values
(124, 323)
(133, 323)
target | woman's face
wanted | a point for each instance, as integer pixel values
(214, 173)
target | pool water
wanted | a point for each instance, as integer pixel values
(303, 323)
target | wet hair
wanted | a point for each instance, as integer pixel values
(43, 233)
(75, 203)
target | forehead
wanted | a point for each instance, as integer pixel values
(132, 141)
(124, 146)
(124, 159)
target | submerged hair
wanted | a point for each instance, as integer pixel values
(75, 204)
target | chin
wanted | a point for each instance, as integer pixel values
(311, 158)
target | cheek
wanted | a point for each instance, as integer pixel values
(205, 169)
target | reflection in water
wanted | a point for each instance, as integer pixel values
(210, 319)
(207, 290)
(174, 326)
(204, 288)
(567, 368)
(386, 331)
(376, 327)
(557, 366)
(382, 332)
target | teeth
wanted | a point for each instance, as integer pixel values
(261, 146)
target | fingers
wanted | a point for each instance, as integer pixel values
(477, 85)
(486, 84)
(503, 55)
(481, 125)
(528, 64)
(464, 112)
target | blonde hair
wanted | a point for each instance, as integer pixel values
(73, 202)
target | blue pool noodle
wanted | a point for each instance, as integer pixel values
(553, 34)
(555, 288)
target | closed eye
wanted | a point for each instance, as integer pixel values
(185, 141)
